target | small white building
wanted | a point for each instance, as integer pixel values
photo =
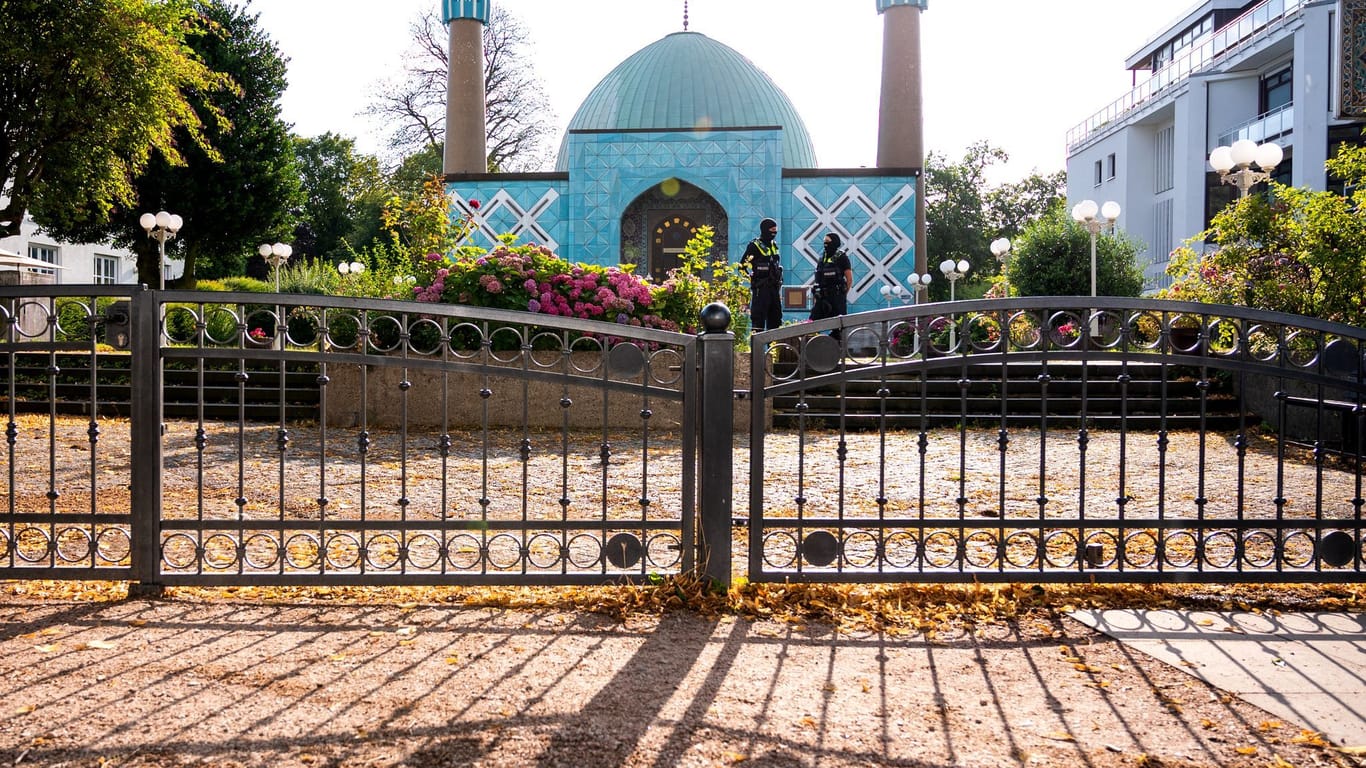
(75, 263)
(1270, 71)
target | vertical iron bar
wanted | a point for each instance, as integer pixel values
(146, 429)
(716, 427)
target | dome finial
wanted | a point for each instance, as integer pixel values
(685, 15)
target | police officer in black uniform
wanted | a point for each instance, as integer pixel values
(834, 275)
(761, 262)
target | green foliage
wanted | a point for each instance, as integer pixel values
(1052, 257)
(232, 195)
(344, 194)
(1300, 252)
(90, 92)
(964, 213)
(701, 278)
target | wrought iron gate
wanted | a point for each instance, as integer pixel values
(1029, 440)
(328, 440)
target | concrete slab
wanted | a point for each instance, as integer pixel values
(1305, 668)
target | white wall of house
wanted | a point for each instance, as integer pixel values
(1162, 140)
(81, 263)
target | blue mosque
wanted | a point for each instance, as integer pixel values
(687, 132)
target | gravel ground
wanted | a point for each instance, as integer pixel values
(228, 682)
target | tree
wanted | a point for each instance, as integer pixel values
(237, 197)
(1012, 207)
(89, 92)
(516, 111)
(955, 216)
(1052, 257)
(344, 194)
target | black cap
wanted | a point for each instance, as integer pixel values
(766, 225)
(834, 239)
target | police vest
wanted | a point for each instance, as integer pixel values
(767, 270)
(829, 276)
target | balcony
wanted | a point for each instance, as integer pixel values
(1203, 52)
(1268, 126)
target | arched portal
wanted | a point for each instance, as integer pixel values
(657, 225)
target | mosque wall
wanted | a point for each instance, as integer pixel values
(874, 216)
(577, 215)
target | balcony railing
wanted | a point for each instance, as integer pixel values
(1264, 127)
(1203, 52)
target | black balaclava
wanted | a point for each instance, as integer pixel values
(765, 228)
(832, 243)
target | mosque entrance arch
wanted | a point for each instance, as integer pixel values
(657, 225)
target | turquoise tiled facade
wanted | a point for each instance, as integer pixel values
(740, 152)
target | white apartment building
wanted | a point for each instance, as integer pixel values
(1285, 71)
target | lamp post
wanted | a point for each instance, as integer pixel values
(1234, 164)
(890, 293)
(275, 255)
(161, 226)
(920, 283)
(1085, 214)
(954, 271)
(1000, 248)
(352, 268)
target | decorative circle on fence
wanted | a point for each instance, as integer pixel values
(112, 545)
(1182, 556)
(302, 551)
(821, 354)
(1336, 549)
(980, 549)
(820, 548)
(32, 545)
(780, 549)
(860, 549)
(623, 550)
(1140, 549)
(1022, 543)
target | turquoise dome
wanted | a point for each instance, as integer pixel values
(687, 80)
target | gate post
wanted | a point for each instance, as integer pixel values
(145, 427)
(716, 427)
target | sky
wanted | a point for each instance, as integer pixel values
(1017, 75)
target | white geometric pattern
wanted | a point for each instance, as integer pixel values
(870, 270)
(527, 227)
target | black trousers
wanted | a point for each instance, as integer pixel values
(765, 309)
(830, 304)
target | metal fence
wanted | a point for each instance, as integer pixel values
(1031, 440)
(217, 438)
(213, 438)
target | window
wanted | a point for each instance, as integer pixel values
(1110, 166)
(1099, 170)
(1277, 90)
(46, 253)
(106, 270)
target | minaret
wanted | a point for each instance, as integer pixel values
(901, 122)
(465, 150)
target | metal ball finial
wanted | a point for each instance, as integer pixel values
(715, 317)
(685, 15)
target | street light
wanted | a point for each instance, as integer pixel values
(275, 255)
(1085, 214)
(161, 226)
(954, 271)
(919, 283)
(890, 293)
(1000, 248)
(1234, 164)
(353, 268)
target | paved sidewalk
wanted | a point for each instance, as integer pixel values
(1307, 668)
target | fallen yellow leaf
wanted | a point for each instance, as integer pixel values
(24, 710)
(1060, 736)
(49, 648)
(100, 645)
(1246, 750)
